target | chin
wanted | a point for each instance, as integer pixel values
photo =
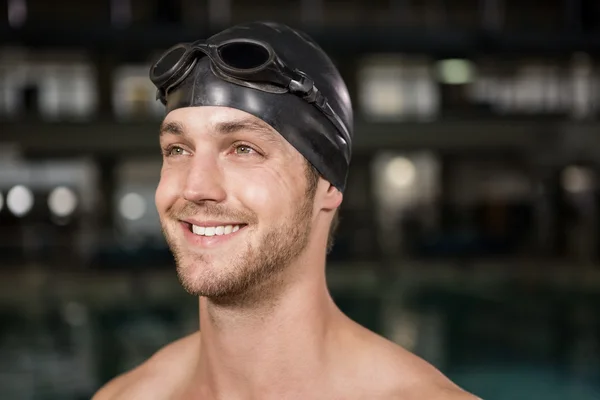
(203, 275)
(199, 275)
(238, 268)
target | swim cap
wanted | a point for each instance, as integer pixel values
(300, 93)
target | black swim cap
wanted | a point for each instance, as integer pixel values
(323, 138)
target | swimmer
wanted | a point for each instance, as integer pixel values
(256, 147)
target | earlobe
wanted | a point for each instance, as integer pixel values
(333, 197)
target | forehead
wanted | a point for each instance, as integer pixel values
(203, 120)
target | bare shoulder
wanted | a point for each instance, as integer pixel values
(436, 393)
(155, 377)
(402, 374)
(409, 377)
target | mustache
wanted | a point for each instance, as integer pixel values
(209, 211)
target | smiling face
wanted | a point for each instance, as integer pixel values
(234, 201)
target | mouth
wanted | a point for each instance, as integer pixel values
(210, 234)
(214, 230)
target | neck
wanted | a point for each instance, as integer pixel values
(272, 348)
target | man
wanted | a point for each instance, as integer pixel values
(256, 146)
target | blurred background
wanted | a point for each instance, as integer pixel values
(470, 227)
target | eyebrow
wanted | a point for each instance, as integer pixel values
(229, 127)
(173, 128)
(226, 128)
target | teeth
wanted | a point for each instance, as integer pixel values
(215, 230)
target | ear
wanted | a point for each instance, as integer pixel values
(331, 197)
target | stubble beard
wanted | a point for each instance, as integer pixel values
(255, 273)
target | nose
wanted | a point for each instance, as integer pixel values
(204, 180)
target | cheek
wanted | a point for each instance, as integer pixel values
(166, 191)
(266, 191)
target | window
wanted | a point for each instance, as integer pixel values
(52, 90)
(395, 88)
(134, 95)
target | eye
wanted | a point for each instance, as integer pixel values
(243, 149)
(175, 151)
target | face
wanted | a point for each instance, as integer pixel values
(233, 200)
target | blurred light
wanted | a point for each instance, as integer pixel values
(219, 13)
(19, 200)
(132, 206)
(455, 71)
(62, 201)
(75, 314)
(134, 95)
(120, 12)
(382, 91)
(400, 172)
(577, 179)
(17, 13)
(397, 87)
(584, 92)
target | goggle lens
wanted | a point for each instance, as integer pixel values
(244, 55)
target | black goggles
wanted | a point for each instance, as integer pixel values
(241, 61)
